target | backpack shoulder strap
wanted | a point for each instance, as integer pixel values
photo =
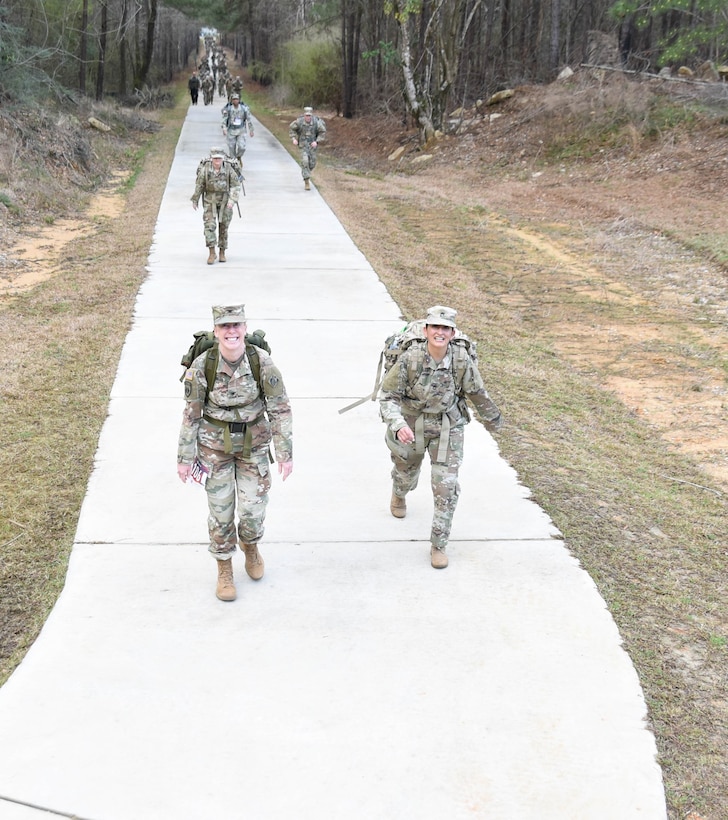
(417, 358)
(254, 361)
(463, 352)
(211, 362)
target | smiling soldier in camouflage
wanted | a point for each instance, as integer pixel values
(423, 405)
(226, 434)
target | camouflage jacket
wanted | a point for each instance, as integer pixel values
(234, 119)
(307, 132)
(218, 186)
(417, 385)
(235, 397)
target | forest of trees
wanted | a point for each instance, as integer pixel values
(425, 56)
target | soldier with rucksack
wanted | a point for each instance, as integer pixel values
(236, 119)
(307, 132)
(235, 406)
(218, 182)
(423, 403)
(208, 87)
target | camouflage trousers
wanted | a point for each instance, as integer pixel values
(236, 144)
(212, 213)
(443, 477)
(234, 479)
(308, 160)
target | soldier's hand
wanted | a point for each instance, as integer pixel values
(285, 468)
(314, 144)
(295, 141)
(183, 471)
(405, 435)
(194, 205)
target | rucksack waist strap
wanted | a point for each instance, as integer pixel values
(235, 427)
(444, 435)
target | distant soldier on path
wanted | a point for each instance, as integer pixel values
(236, 118)
(193, 84)
(307, 132)
(219, 186)
(208, 88)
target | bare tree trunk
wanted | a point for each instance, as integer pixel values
(123, 48)
(555, 34)
(141, 69)
(418, 111)
(102, 50)
(351, 14)
(83, 48)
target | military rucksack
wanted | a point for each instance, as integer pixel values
(230, 162)
(463, 351)
(205, 341)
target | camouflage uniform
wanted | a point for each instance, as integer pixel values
(230, 434)
(306, 133)
(217, 189)
(235, 119)
(208, 88)
(222, 82)
(428, 397)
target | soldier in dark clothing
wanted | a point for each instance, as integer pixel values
(194, 86)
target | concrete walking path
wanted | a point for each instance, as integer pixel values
(353, 681)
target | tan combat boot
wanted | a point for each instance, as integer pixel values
(221, 256)
(211, 257)
(398, 506)
(225, 585)
(254, 565)
(438, 557)
(306, 184)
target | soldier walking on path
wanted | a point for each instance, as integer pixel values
(219, 186)
(307, 132)
(423, 405)
(208, 88)
(193, 84)
(236, 118)
(236, 404)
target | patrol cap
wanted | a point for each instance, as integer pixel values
(441, 315)
(228, 314)
(235, 96)
(217, 152)
(308, 110)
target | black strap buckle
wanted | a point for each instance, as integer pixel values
(237, 426)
